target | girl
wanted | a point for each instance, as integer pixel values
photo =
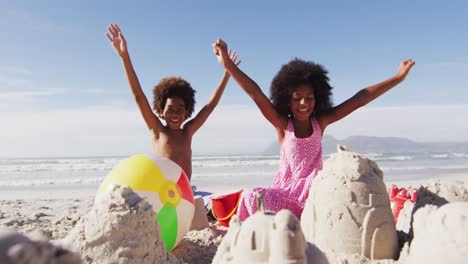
(300, 109)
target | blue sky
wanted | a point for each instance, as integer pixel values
(62, 83)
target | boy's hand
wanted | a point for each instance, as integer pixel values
(233, 57)
(404, 69)
(117, 39)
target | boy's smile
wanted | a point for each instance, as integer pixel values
(174, 112)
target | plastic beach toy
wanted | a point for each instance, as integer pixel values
(225, 206)
(398, 198)
(164, 185)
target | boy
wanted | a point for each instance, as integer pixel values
(174, 102)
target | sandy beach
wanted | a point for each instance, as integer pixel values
(51, 212)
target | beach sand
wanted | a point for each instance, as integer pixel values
(53, 212)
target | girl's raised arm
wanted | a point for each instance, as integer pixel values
(365, 96)
(120, 45)
(249, 86)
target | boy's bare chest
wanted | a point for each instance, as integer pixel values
(173, 144)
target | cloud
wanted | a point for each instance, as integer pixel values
(234, 129)
(14, 70)
(23, 94)
(231, 129)
(448, 65)
(27, 21)
(25, 100)
(420, 123)
(76, 132)
(21, 91)
(14, 77)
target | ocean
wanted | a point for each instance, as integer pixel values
(20, 173)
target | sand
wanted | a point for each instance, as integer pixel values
(74, 218)
(120, 228)
(35, 249)
(440, 234)
(199, 246)
(54, 219)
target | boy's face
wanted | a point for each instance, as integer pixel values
(302, 102)
(174, 112)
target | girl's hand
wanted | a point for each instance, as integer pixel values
(221, 51)
(117, 39)
(404, 69)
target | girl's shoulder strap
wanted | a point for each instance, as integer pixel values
(316, 126)
(290, 126)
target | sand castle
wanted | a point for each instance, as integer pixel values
(440, 234)
(348, 210)
(121, 228)
(263, 238)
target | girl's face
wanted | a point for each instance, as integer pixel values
(302, 102)
(174, 112)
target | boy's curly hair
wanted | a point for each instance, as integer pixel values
(299, 72)
(173, 87)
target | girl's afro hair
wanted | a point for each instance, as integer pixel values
(296, 73)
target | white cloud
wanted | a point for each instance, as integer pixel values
(420, 123)
(25, 100)
(448, 65)
(23, 94)
(230, 129)
(87, 131)
(234, 129)
(20, 91)
(14, 70)
(14, 77)
(26, 20)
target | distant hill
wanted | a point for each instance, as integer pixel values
(365, 144)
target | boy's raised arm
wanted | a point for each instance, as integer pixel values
(194, 124)
(120, 45)
(365, 96)
(250, 87)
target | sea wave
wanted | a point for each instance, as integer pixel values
(214, 163)
(75, 171)
(32, 165)
(393, 158)
(50, 181)
(428, 167)
(454, 155)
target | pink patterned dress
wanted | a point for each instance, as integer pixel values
(301, 159)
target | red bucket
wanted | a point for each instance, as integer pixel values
(225, 206)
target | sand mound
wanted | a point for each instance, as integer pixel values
(435, 192)
(440, 234)
(348, 210)
(121, 228)
(18, 248)
(199, 246)
(438, 192)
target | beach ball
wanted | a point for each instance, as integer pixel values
(164, 185)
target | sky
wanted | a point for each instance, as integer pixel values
(63, 90)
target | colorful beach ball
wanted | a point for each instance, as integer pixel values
(165, 186)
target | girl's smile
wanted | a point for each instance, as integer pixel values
(302, 102)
